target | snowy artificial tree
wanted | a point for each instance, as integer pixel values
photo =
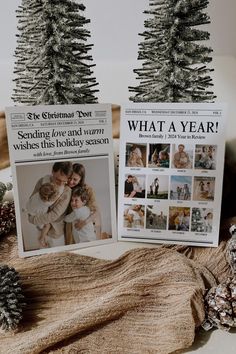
(25, 39)
(174, 63)
(53, 64)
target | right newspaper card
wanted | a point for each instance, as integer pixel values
(171, 173)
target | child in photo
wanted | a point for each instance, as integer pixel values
(164, 160)
(159, 155)
(80, 212)
(39, 203)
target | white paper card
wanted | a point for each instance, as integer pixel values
(171, 173)
(42, 136)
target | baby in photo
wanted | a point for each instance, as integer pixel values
(80, 212)
(39, 203)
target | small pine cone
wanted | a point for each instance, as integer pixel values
(220, 306)
(11, 298)
(7, 217)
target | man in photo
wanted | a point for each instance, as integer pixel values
(155, 186)
(61, 171)
(129, 188)
(181, 158)
(39, 203)
(135, 187)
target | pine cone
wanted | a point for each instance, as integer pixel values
(220, 301)
(11, 298)
(220, 305)
(231, 249)
(7, 217)
(3, 189)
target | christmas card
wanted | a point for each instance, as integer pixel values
(63, 176)
(171, 173)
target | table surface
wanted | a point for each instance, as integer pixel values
(215, 341)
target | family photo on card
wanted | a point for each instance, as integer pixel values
(66, 205)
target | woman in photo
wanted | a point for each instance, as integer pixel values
(77, 179)
(135, 158)
(139, 187)
(134, 216)
(208, 219)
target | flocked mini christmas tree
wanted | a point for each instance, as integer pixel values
(174, 67)
(7, 210)
(25, 38)
(53, 64)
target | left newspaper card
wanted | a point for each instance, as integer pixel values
(63, 176)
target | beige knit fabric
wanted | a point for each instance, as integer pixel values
(147, 301)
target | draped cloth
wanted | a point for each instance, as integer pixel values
(146, 301)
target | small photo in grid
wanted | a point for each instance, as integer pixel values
(201, 220)
(136, 155)
(159, 156)
(156, 217)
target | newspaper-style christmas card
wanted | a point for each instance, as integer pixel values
(171, 173)
(63, 176)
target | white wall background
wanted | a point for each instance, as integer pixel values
(114, 27)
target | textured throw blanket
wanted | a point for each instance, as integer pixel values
(147, 301)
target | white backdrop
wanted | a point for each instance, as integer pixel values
(114, 27)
